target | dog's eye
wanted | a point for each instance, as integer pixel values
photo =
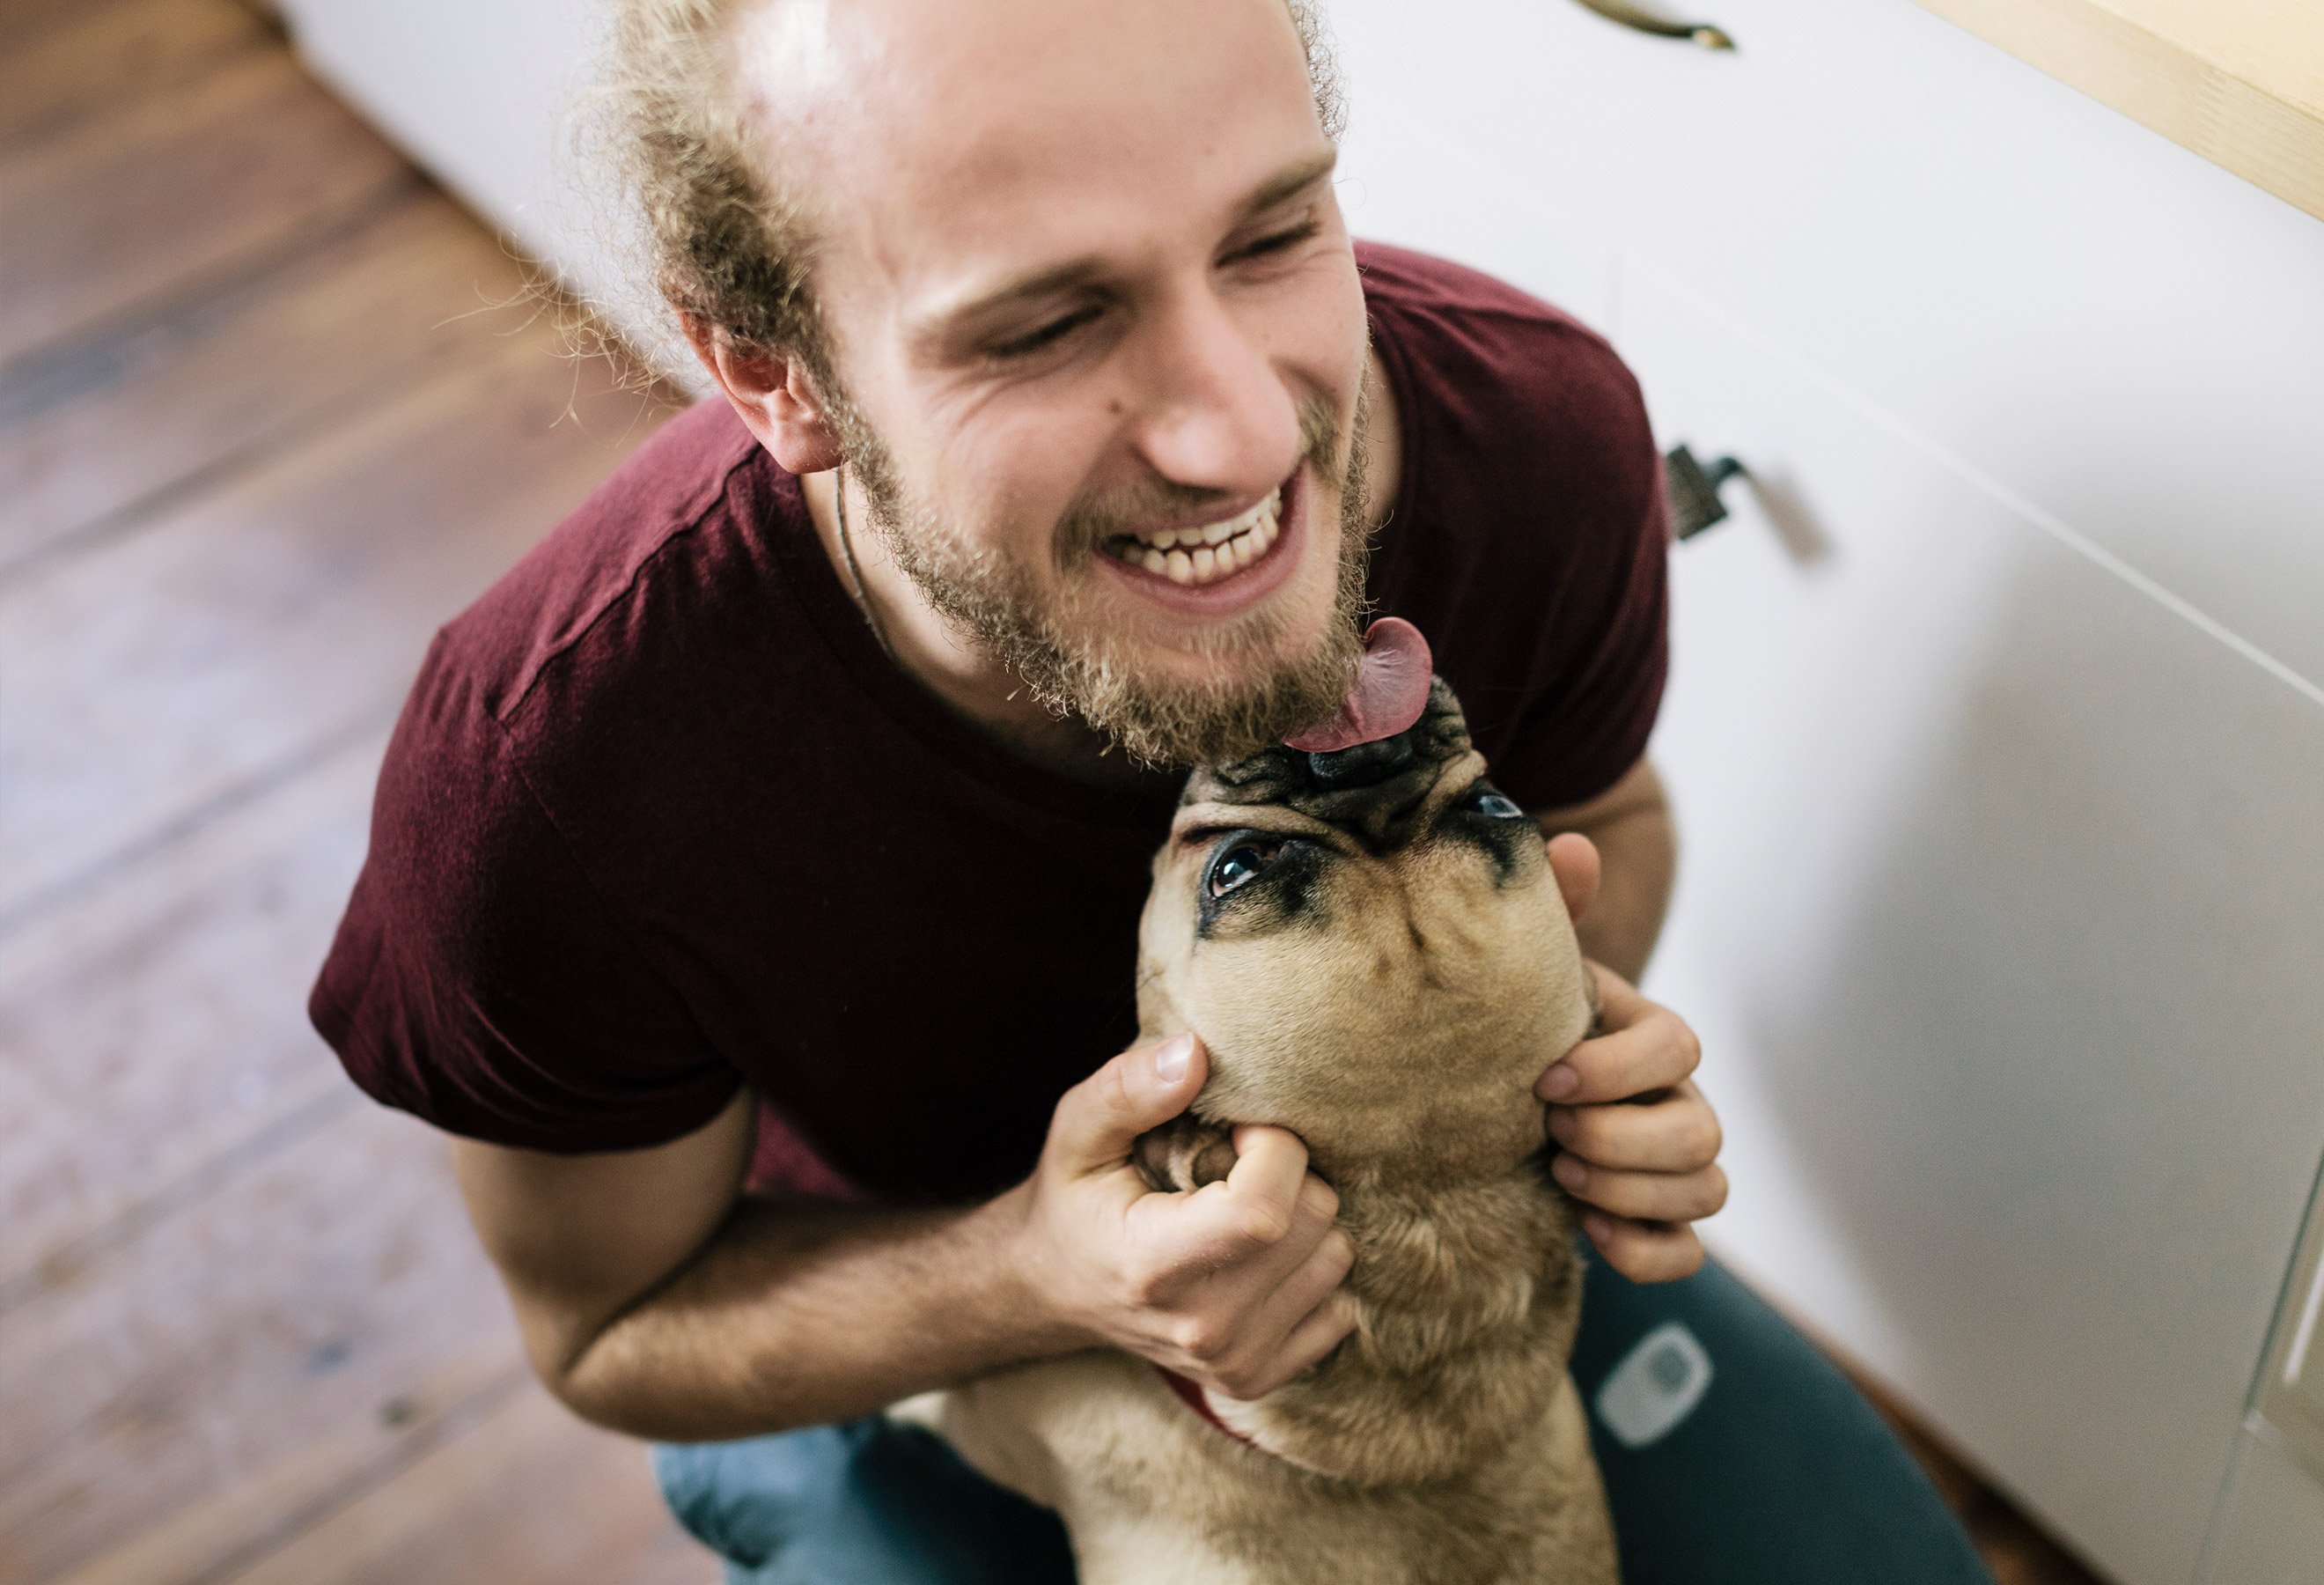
(1240, 864)
(1492, 802)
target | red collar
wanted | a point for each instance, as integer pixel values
(1193, 1398)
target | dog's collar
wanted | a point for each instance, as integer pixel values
(1195, 1398)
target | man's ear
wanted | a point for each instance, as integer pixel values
(773, 394)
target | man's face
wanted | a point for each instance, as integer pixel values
(1102, 341)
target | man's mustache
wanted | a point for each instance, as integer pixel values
(1087, 525)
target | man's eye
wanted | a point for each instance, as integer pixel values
(1280, 240)
(1048, 335)
(1240, 865)
(1492, 802)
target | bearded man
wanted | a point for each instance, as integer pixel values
(755, 871)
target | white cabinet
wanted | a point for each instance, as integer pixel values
(2107, 327)
(2002, 787)
(2000, 918)
(2272, 1526)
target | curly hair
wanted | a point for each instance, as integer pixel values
(725, 243)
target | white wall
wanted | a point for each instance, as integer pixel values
(493, 99)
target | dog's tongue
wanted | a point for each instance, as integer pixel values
(1391, 689)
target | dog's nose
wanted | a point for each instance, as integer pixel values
(1367, 765)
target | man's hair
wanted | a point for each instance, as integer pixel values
(729, 244)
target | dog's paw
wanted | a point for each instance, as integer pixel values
(1184, 1153)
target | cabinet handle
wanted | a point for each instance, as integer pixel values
(1693, 488)
(1662, 27)
(1694, 503)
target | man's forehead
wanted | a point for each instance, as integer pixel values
(881, 45)
(975, 282)
(965, 144)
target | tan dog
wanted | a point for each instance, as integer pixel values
(1372, 947)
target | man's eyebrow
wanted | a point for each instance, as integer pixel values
(1290, 183)
(1050, 279)
(1040, 283)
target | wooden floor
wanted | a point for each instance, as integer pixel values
(260, 430)
(262, 426)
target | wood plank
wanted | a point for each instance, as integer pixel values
(156, 675)
(176, 187)
(237, 1303)
(155, 1023)
(402, 293)
(209, 1538)
(2240, 82)
(98, 57)
(335, 1286)
(24, 24)
(2277, 46)
(531, 1497)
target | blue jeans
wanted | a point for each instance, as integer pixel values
(1733, 1452)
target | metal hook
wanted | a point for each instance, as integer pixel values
(1662, 27)
(1694, 503)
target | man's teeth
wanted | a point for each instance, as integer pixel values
(1206, 553)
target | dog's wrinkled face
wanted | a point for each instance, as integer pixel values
(1372, 947)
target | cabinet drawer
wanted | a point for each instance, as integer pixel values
(2127, 337)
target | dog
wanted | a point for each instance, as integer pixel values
(1371, 944)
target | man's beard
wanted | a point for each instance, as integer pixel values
(1088, 673)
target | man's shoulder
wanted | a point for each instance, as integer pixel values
(1530, 538)
(1408, 277)
(1422, 290)
(683, 502)
(557, 716)
(487, 975)
(1497, 369)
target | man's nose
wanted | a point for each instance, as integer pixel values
(1217, 415)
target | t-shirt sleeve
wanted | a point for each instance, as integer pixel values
(1604, 655)
(478, 980)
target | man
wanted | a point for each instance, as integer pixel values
(784, 819)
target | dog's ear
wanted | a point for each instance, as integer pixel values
(1184, 1153)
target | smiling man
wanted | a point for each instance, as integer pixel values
(756, 870)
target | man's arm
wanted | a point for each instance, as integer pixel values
(1637, 1143)
(655, 1299)
(1629, 825)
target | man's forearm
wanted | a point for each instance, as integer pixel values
(1637, 854)
(796, 1315)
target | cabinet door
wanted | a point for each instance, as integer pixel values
(2124, 337)
(2003, 878)
(2272, 1526)
(2000, 909)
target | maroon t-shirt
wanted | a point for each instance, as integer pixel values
(660, 819)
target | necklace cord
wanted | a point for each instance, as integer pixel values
(855, 572)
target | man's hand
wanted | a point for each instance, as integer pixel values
(1637, 1143)
(1235, 1285)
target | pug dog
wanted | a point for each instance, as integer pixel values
(1370, 942)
